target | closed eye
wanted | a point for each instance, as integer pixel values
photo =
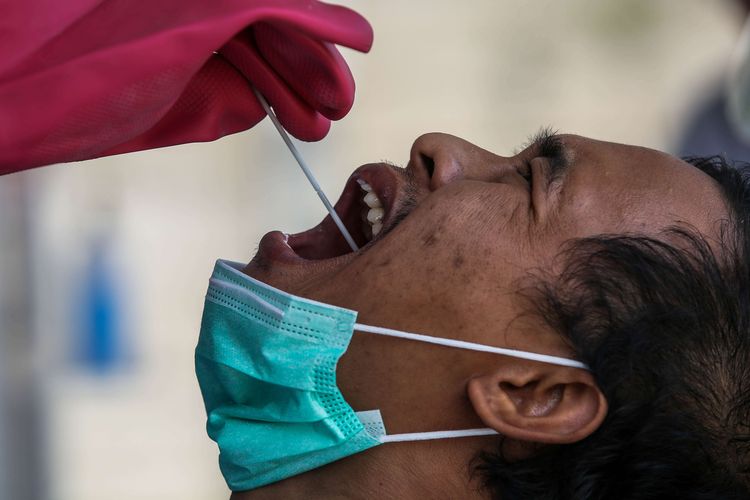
(546, 143)
(526, 172)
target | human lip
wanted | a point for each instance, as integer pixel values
(323, 245)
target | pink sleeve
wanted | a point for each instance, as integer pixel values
(81, 79)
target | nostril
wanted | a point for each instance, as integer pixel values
(428, 163)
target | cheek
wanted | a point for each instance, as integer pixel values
(445, 262)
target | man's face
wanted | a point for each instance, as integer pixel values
(462, 228)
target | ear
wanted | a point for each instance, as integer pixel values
(531, 401)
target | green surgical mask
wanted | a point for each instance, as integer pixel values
(266, 364)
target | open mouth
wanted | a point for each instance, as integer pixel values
(365, 207)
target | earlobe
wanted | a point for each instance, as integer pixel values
(534, 402)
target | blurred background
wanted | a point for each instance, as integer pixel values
(104, 264)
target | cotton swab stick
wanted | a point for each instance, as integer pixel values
(306, 171)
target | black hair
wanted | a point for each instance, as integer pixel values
(664, 324)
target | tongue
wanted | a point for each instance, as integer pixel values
(324, 241)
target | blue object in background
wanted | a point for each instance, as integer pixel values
(100, 344)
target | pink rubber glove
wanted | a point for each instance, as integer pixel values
(81, 79)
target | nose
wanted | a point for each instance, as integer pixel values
(441, 159)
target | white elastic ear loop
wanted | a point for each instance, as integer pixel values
(306, 171)
(425, 436)
(460, 344)
(375, 427)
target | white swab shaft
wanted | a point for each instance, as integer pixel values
(307, 172)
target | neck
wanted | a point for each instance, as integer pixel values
(432, 469)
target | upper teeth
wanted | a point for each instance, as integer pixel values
(376, 212)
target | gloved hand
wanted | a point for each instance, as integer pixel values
(86, 78)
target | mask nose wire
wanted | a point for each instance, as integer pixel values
(306, 171)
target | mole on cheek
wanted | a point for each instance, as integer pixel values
(432, 237)
(458, 260)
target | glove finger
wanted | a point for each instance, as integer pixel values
(298, 118)
(313, 69)
(330, 23)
